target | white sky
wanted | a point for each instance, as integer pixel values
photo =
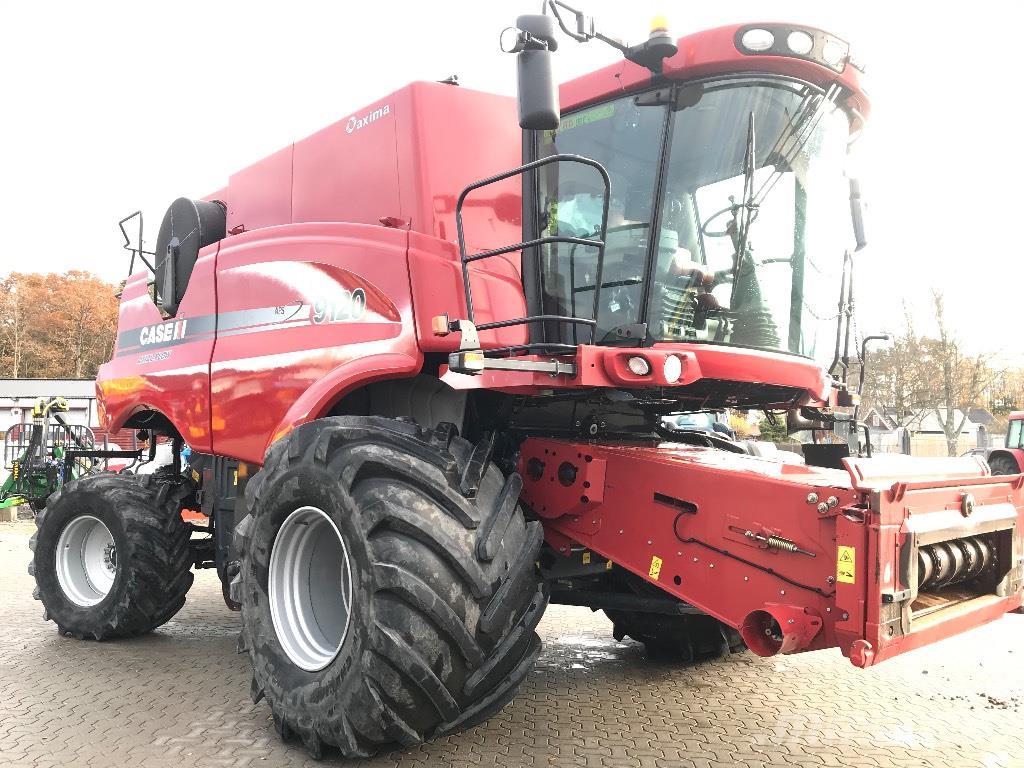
(111, 107)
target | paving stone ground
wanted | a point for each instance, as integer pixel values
(180, 697)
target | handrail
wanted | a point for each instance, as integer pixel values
(590, 242)
(535, 319)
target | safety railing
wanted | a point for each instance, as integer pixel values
(540, 242)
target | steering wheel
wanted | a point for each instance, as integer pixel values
(708, 232)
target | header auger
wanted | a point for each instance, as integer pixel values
(423, 360)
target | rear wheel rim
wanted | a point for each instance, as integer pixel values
(86, 561)
(310, 588)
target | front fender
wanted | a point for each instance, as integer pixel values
(321, 397)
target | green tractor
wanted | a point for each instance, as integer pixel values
(38, 457)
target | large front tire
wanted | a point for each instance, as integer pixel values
(111, 556)
(407, 608)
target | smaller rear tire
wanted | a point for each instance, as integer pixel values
(111, 556)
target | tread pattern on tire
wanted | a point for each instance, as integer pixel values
(455, 594)
(156, 564)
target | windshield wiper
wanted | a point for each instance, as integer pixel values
(745, 212)
(796, 135)
(787, 147)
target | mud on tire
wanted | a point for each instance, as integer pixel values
(151, 555)
(445, 595)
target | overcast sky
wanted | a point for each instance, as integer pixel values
(112, 107)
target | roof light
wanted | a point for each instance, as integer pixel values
(673, 369)
(834, 53)
(638, 366)
(659, 24)
(800, 42)
(757, 40)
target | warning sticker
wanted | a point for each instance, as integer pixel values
(846, 562)
(655, 570)
(586, 558)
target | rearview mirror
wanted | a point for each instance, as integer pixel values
(533, 41)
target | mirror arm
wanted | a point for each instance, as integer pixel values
(857, 215)
(585, 30)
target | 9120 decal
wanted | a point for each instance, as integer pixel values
(346, 307)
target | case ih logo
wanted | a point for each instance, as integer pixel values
(154, 334)
(355, 123)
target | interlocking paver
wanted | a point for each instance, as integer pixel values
(181, 697)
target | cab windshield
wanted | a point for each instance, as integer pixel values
(743, 182)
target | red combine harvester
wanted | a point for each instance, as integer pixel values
(420, 406)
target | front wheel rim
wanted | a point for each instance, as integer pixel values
(310, 588)
(86, 561)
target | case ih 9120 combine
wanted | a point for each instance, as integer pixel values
(421, 407)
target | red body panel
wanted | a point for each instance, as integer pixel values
(271, 352)
(405, 157)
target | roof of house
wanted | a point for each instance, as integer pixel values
(876, 419)
(928, 421)
(980, 416)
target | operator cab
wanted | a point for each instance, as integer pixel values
(742, 178)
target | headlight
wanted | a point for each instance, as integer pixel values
(673, 369)
(800, 42)
(784, 40)
(834, 53)
(757, 40)
(638, 366)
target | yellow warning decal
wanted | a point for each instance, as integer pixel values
(655, 570)
(586, 558)
(846, 565)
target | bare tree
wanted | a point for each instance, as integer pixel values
(897, 382)
(961, 381)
